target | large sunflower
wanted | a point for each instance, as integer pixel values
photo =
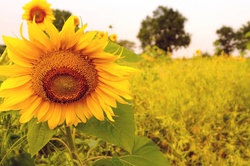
(38, 10)
(62, 76)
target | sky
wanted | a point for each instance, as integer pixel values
(204, 17)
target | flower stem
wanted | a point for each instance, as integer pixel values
(71, 143)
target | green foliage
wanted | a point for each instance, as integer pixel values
(248, 43)
(226, 41)
(145, 153)
(165, 30)
(127, 55)
(121, 132)
(229, 40)
(42, 136)
(13, 140)
(196, 110)
(242, 38)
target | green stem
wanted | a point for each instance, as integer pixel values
(70, 151)
(71, 142)
(70, 138)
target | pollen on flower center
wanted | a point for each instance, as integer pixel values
(64, 85)
(38, 13)
(64, 77)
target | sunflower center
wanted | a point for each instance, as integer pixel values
(64, 77)
(38, 13)
(64, 85)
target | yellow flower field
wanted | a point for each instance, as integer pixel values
(196, 110)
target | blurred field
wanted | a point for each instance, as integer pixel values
(196, 110)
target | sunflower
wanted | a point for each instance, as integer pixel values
(101, 34)
(113, 37)
(62, 77)
(38, 10)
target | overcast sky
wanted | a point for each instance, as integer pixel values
(204, 17)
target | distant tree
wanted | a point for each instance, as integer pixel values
(226, 41)
(127, 44)
(165, 30)
(241, 39)
(61, 16)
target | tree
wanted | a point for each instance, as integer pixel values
(61, 16)
(127, 44)
(226, 41)
(241, 38)
(165, 30)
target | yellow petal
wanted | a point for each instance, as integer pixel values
(77, 121)
(120, 71)
(109, 76)
(115, 91)
(63, 115)
(21, 49)
(87, 112)
(18, 59)
(97, 99)
(18, 99)
(67, 34)
(100, 60)
(80, 112)
(15, 82)
(109, 112)
(94, 49)
(107, 109)
(29, 110)
(14, 71)
(111, 94)
(55, 117)
(94, 108)
(49, 112)
(26, 88)
(107, 99)
(70, 114)
(53, 33)
(38, 37)
(80, 31)
(79, 34)
(85, 40)
(45, 105)
(108, 69)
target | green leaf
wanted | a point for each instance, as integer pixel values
(145, 153)
(247, 34)
(22, 159)
(121, 132)
(248, 45)
(39, 134)
(109, 162)
(128, 56)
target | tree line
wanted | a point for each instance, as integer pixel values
(166, 30)
(230, 40)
